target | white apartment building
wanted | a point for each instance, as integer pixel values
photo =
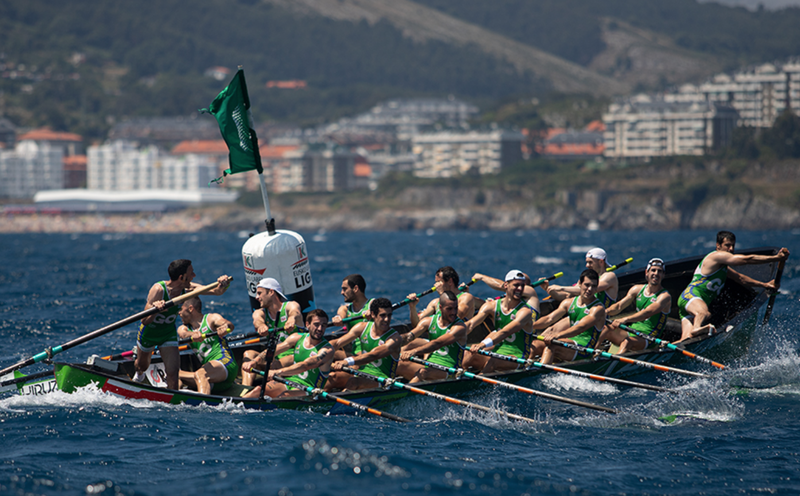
(449, 154)
(32, 166)
(124, 166)
(644, 127)
(760, 94)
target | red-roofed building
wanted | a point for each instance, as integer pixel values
(201, 147)
(219, 73)
(294, 84)
(362, 172)
(70, 143)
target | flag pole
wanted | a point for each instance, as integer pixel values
(270, 222)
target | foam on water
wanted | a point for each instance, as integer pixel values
(565, 382)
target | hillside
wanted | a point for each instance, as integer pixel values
(80, 66)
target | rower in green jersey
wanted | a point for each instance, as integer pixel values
(160, 329)
(445, 279)
(586, 314)
(311, 360)
(652, 303)
(207, 332)
(275, 314)
(355, 309)
(607, 289)
(380, 349)
(448, 338)
(710, 277)
(512, 333)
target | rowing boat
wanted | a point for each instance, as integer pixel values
(734, 313)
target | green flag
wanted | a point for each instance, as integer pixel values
(232, 111)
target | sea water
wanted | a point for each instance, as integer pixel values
(734, 433)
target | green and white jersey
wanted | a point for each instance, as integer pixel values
(278, 323)
(656, 324)
(705, 287)
(358, 317)
(314, 378)
(518, 344)
(577, 312)
(211, 348)
(162, 328)
(386, 366)
(450, 355)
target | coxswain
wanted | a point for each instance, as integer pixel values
(275, 313)
(709, 278)
(380, 349)
(160, 329)
(652, 303)
(586, 315)
(448, 338)
(311, 360)
(219, 368)
(512, 334)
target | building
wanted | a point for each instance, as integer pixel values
(156, 200)
(449, 154)
(562, 144)
(30, 167)
(124, 166)
(759, 94)
(644, 127)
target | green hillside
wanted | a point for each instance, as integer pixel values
(82, 65)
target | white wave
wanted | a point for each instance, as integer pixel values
(580, 248)
(564, 382)
(548, 260)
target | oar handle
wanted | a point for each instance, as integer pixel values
(406, 301)
(465, 285)
(549, 278)
(615, 267)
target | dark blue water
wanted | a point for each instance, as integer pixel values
(54, 288)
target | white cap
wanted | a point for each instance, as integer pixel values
(598, 253)
(515, 275)
(270, 283)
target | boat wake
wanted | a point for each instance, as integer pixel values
(779, 374)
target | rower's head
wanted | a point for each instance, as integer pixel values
(588, 283)
(181, 270)
(726, 241)
(316, 323)
(269, 290)
(381, 310)
(514, 283)
(446, 279)
(191, 308)
(654, 273)
(448, 306)
(597, 260)
(351, 286)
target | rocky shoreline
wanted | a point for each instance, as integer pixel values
(608, 211)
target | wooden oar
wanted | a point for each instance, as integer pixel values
(508, 385)
(771, 302)
(615, 267)
(449, 399)
(640, 363)
(337, 399)
(125, 354)
(51, 352)
(671, 346)
(406, 301)
(578, 373)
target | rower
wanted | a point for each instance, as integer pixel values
(380, 349)
(159, 329)
(355, 309)
(448, 338)
(445, 279)
(652, 303)
(586, 315)
(277, 314)
(607, 289)
(709, 278)
(512, 334)
(311, 360)
(219, 368)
